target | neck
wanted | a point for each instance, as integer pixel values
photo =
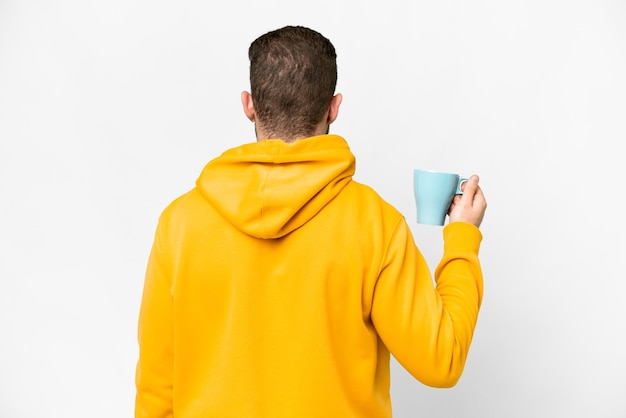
(262, 134)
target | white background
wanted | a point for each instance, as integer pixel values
(110, 109)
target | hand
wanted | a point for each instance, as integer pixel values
(470, 206)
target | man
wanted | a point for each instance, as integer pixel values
(278, 286)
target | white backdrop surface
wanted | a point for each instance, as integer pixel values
(109, 110)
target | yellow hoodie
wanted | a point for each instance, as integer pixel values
(278, 287)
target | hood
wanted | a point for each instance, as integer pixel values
(269, 188)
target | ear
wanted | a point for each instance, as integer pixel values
(248, 106)
(333, 109)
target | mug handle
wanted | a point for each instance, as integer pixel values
(458, 186)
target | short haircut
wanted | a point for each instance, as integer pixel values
(293, 75)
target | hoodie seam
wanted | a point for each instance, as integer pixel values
(381, 264)
(262, 188)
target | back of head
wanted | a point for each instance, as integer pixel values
(293, 75)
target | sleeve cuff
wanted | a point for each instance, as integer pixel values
(461, 237)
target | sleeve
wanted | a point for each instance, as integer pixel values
(154, 372)
(428, 327)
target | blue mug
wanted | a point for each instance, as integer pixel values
(434, 191)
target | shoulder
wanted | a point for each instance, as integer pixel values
(365, 196)
(363, 207)
(184, 206)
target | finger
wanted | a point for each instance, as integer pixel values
(470, 187)
(479, 196)
(455, 200)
